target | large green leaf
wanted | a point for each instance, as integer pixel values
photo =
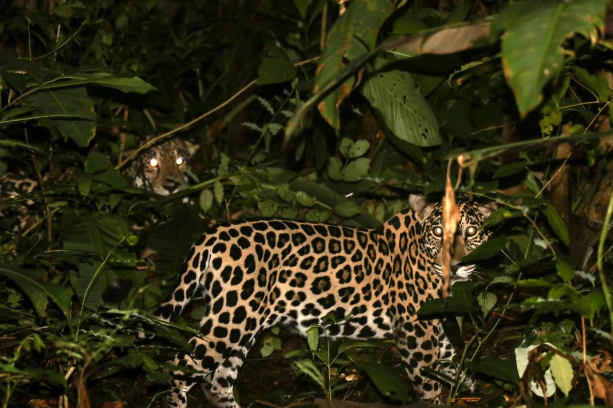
(38, 291)
(69, 110)
(532, 52)
(404, 111)
(386, 379)
(94, 280)
(184, 229)
(500, 369)
(353, 35)
(123, 84)
(99, 236)
(275, 68)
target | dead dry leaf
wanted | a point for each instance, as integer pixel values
(451, 216)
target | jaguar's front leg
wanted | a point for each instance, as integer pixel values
(419, 346)
(446, 355)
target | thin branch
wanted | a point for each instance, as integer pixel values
(196, 120)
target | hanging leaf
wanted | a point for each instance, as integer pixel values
(69, 110)
(39, 292)
(351, 36)
(387, 380)
(532, 53)
(557, 223)
(404, 111)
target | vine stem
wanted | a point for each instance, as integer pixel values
(603, 278)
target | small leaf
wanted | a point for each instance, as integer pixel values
(509, 169)
(486, 301)
(206, 200)
(304, 199)
(565, 270)
(562, 372)
(356, 169)
(358, 149)
(268, 208)
(275, 68)
(96, 162)
(557, 223)
(345, 147)
(347, 209)
(487, 250)
(84, 183)
(313, 337)
(302, 6)
(500, 215)
(335, 168)
(218, 189)
(286, 193)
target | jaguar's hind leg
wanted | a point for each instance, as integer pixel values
(219, 388)
(418, 346)
(178, 398)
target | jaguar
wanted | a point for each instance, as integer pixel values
(257, 274)
(161, 169)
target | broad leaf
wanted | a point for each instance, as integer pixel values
(39, 292)
(562, 372)
(557, 223)
(532, 53)
(386, 379)
(404, 111)
(499, 369)
(69, 110)
(275, 68)
(487, 250)
(351, 36)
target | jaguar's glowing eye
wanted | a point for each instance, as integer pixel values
(438, 231)
(180, 161)
(471, 231)
(153, 162)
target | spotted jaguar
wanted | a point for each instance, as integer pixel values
(257, 274)
(161, 169)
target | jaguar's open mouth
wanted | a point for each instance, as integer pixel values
(458, 273)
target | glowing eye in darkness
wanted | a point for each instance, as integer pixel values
(153, 162)
(438, 231)
(180, 161)
(471, 231)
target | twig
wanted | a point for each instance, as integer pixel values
(324, 17)
(199, 118)
(554, 176)
(42, 192)
(587, 377)
(595, 117)
(184, 126)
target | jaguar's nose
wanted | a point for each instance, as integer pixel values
(454, 269)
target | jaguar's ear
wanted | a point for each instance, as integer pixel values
(487, 209)
(420, 206)
(192, 148)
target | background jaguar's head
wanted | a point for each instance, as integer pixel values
(469, 233)
(163, 168)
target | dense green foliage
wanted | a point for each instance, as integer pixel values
(313, 110)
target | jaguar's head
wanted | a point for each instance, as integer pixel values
(469, 233)
(163, 168)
